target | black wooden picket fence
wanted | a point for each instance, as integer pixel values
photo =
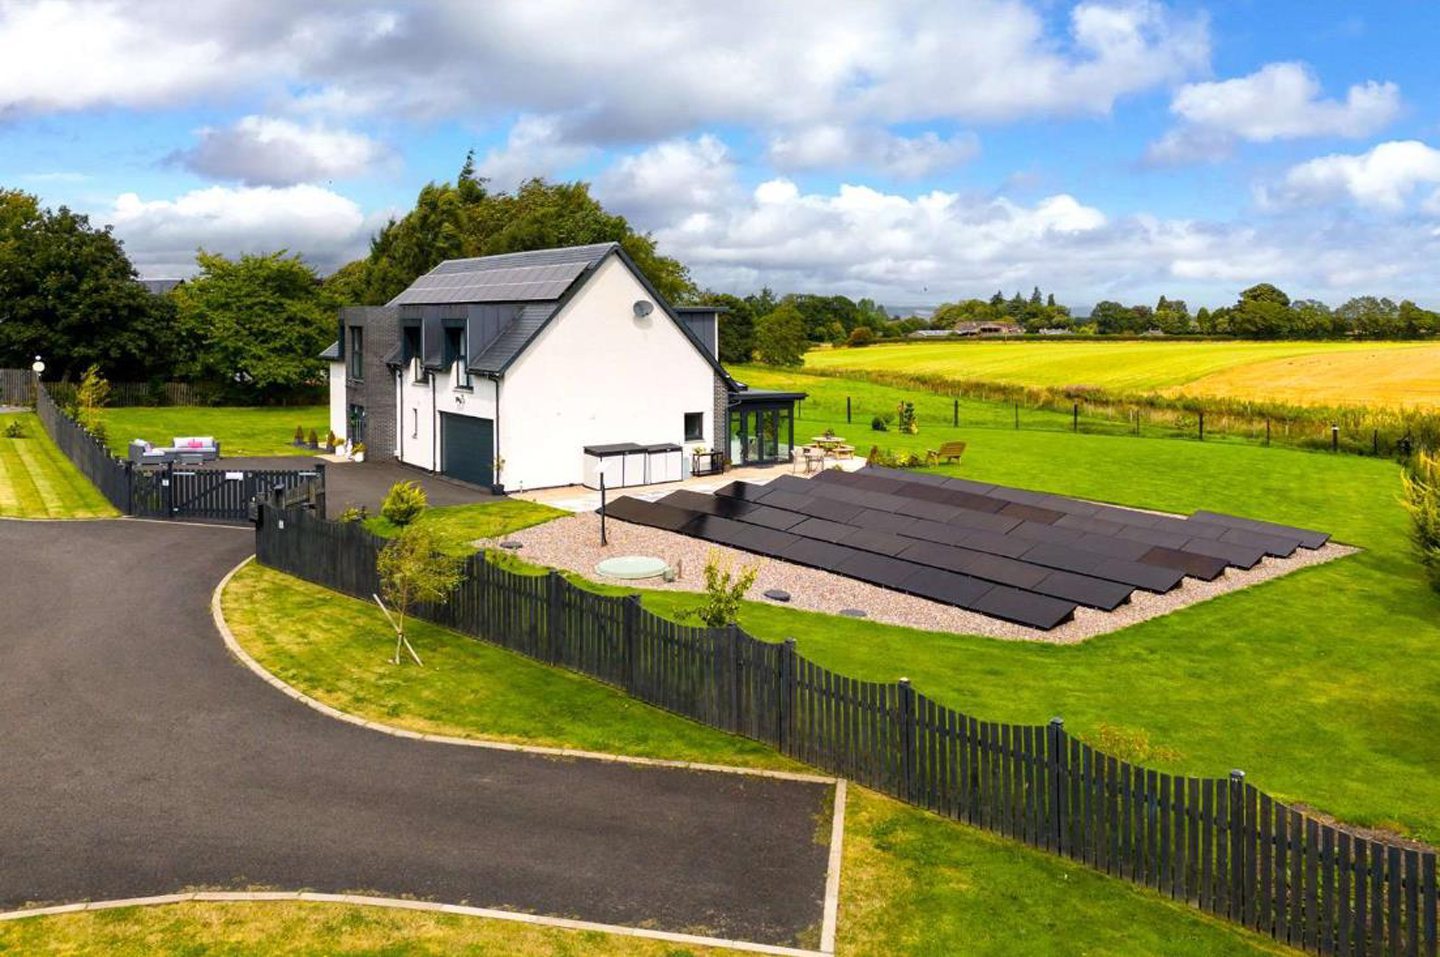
(1221, 845)
(176, 491)
(15, 387)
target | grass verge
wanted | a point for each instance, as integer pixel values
(285, 929)
(38, 481)
(336, 649)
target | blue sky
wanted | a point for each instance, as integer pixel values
(911, 152)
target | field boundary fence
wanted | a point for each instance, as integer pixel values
(1219, 844)
(175, 490)
(1358, 430)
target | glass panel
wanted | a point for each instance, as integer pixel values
(737, 445)
(784, 433)
(769, 437)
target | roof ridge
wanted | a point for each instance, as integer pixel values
(592, 249)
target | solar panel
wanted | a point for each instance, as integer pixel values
(935, 512)
(887, 543)
(743, 490)
(883, 521)
(1032, 513)
(1307, 538)
(1204, 567)
(938, 532)
(819, 528)
(1084, 590)
(1241, 556)
(1036, 611)
(828, 508)
(948, 587)
(823, 555)
(788, 500)
(1273, 544)
(878, 569)
(775, 518)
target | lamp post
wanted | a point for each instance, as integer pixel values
(37, 367)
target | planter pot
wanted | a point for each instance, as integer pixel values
(358, 457)
(497, 489)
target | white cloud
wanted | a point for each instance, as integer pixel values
(269, 151)
(1278, 102)
(834, 146)
(671, 179)
(1383, 178)
(161, 236)
(536, 146)
(618, 71)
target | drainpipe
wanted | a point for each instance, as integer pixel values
(434, 426)
(495, 452)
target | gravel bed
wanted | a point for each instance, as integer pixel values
(573, 544)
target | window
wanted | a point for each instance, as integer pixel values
(455, 355)
(410, 353)
(414, 423)
(694, 426)
(357, 352)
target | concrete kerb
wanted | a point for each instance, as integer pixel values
(401, 903)
(830, 919)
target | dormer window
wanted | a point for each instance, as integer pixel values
(410, 353)
(455, 357)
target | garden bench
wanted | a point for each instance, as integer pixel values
(950, 452)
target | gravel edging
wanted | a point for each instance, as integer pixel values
(572, 544)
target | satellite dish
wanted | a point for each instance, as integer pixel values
(643, 308)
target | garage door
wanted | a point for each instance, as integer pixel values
(467, 447)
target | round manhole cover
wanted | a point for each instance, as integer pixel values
(632, 566)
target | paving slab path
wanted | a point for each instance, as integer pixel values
(139, 758)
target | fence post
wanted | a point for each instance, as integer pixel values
(847, 409)
(907, 738)
(1334, 438)
(1075, 417)
(320, 508)
(1059, 772)
(1267, 432)
(169, 489)
(630, 620)
(1238, 864)
(1375, 442)
(1202, 425)
(785, 713)
(732, 643)
(957, 413)
(1017, 416)
(554, 615)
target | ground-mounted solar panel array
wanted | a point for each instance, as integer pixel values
(1025, 557)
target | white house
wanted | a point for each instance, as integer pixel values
(529, 369)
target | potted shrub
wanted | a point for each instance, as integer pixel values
(497, 487)
(314, 440)
(299, 439)
(358, 453)
(330, 442)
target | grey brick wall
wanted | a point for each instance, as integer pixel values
(377, 390)
(721, 442)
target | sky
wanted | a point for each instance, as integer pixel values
(914, 153)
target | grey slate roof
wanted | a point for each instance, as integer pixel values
(333, 352)
(516, 336)
(537, 276)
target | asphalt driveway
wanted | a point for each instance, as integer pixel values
(139, 758)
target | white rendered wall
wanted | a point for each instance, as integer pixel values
(338, 404)
(418, 428)
(597, 375)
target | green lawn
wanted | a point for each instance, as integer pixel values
(463, 524)
(1321, 685)
(1124, 366)
(38, 481)
(913, 883)
(267, 430)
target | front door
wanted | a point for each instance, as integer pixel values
(357, 424)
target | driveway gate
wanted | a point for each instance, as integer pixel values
(219, 494)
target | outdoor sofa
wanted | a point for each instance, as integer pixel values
(186, 449)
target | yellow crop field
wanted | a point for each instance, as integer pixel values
(1390, 374)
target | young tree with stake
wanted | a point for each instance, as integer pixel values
(413, 571)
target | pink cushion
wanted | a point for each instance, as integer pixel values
(196, 444)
